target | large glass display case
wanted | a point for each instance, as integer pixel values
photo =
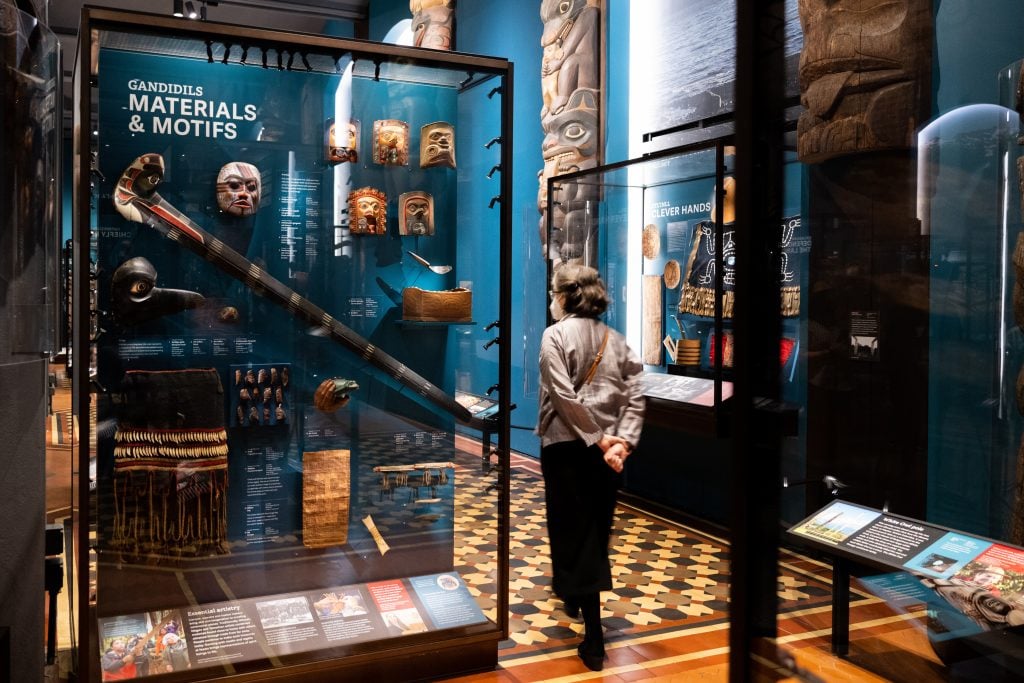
(649, 226)
(297, 331)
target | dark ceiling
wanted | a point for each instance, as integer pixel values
(305, 16)
(289, 15)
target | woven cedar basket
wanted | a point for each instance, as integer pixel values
(449, 306)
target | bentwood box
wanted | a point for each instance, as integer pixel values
(450, 305)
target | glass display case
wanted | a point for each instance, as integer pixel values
(297, 331)
(649, 226)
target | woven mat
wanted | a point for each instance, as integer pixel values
(326, 498)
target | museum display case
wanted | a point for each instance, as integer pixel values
(295, 266)
(649, 226)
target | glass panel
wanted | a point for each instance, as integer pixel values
(913, 356)
(291, 352)
(649, 227)
(28, 252)
(30, 128)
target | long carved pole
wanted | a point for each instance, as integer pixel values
(137, 200)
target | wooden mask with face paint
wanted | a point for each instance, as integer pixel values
(342, 142)
(391, 142)
(367, 211)
(238, 189)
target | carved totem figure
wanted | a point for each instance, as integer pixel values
(864, 75)
(570, 118)
(432, 22)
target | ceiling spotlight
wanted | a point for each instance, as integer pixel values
(179, 8)
(190, 9)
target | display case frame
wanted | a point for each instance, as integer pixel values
(655, 218)
(704, 411)
(446, 649)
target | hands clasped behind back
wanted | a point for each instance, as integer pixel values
(616, 450)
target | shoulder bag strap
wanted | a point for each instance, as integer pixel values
(597, 359)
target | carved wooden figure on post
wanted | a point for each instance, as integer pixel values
(864, 75)
(570, 117)
(433, 23)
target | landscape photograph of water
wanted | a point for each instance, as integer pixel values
(691, 62)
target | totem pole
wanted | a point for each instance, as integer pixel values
(865, 83)
(433, 23)
(570, 117)
(863, 76)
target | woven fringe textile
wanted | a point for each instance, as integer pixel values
(170, 464)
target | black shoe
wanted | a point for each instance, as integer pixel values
(571, 608)
(592, 654)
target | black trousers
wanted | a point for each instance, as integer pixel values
(579, 491)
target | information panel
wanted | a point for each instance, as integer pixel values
(162, 641)
(968, 584)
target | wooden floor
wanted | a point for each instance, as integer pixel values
(884, 645)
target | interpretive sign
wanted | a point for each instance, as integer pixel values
(967, 583)
(220, 633)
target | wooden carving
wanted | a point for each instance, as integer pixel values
(865, 75)
(570, 118)
(652, 319)
(433, 23)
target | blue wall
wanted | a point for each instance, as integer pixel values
(973, 41)
(616, 146)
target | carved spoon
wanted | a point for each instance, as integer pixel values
(440, 270)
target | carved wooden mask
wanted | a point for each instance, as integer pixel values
(391, 142)
(437, 145)
(342, 145)
(238, 189)
(415, 213)
(367, 211)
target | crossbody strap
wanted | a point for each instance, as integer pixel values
(597, 359)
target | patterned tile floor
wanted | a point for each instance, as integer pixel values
(665, 576)
(669, 624)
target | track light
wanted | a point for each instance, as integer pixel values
(179, 8)
(190, 10)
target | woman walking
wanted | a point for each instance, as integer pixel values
(591, 413)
